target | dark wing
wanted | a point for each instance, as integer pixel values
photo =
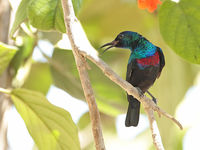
(130, 69)
(133, 74)
(162, 60)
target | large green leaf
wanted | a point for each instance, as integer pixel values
(43, 14)
(20, 16)
(46, 15)
(51, 127)
(6, 54)
(179, 26)
(39, 74)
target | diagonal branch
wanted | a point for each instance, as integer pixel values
(147, 103)
(76, 34)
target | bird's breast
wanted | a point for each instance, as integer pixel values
(147, 61)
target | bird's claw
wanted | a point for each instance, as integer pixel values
(154, 100)
(141, 94)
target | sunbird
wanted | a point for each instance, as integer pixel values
(145, 65)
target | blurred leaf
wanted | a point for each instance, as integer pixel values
(24, 53)
(77, 5)
(6, 54)
(39, 78)
(46, 15)
(20, 16)
(179, 26)
(65, 75)
(84, 121)
(110, 97)
(108, 108)
(53, 37)
(51, 127)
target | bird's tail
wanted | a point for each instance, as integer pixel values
(133, 113)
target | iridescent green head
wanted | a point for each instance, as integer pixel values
(126, 39)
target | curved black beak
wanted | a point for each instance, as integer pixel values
(111, 44)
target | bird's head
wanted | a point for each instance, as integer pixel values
(125, 40)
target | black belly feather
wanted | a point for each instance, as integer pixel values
(143, 79)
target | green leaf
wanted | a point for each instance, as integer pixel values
(50, 16)
(51, 127)
(77, 5)
(39, 78)
(6, 54)
(21, 16)
(46, 15)
(179, 26)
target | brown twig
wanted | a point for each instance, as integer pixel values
(157, 141)
(69, 17)
(5, 78)
(76, 34)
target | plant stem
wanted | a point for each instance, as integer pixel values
(69, 17)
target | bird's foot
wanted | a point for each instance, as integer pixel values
(153, 98)
(141, 93)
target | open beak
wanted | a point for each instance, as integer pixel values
(111, 44)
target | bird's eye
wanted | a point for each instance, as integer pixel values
(120, 36)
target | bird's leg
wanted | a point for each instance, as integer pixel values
(153, 98)
(141, 93)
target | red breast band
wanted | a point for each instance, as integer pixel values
(151, 60)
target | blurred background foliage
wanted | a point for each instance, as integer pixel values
(102, 21)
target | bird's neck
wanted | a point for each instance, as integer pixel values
(143, 49)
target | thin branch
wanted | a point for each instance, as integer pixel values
(82, 69)
(157, 141)
(76, 34)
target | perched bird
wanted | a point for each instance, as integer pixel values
(145, 65)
